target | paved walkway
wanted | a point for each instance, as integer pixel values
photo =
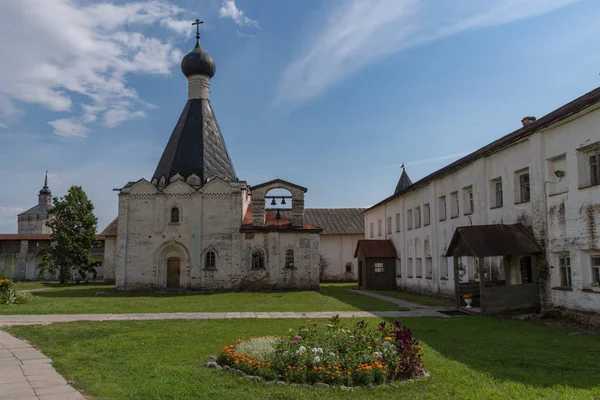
(48, 319)
(26, 374)
(402, 303)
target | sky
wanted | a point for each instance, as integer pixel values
(331, 95)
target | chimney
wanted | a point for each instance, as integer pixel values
(527, 120)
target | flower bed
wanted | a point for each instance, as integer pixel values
(333, 354)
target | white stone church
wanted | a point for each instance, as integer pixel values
(196, 225)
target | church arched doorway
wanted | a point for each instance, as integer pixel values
(173, 272)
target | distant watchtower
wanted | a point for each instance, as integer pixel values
(33, 221)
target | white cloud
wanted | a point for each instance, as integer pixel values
(69, 127)
(230, 10)
(357, 33)
(244, 35)
(63, 48)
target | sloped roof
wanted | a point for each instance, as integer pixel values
(111, 229)
(336, 221)
(196, 146)
(403, 183)
(283, 182)
(273, 224)
(375, 248)
(491, 240)
(569, 109)
(38, 209)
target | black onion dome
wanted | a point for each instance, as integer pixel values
(45, 190)
(198, 62)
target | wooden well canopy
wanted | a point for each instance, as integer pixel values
(492, 240)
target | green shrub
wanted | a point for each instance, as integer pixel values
(8, 293)
(23, 298)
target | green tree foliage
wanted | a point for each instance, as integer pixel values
(73, 225)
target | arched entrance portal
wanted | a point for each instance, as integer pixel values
(172, 266)
(173, 272)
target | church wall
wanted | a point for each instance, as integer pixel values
(109, 259)
(336, 252)
(304, 275)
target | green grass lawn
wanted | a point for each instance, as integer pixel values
(416, 298)
(79, 299)
(468, 358)
(29, 285)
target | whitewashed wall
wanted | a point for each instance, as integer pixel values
(572, 217)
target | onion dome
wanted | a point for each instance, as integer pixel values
(197, 61)
(46, 189)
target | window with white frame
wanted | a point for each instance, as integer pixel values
(496, 199)
(595, 261)
(428, 268)
(426, 214)
(594, 169)
(389, 225)
(419, 267)
(378, 268)
(522, 191)
(468, 203)
(564, 265)
(417, 217)
(409, 268)
(409, 219)
(588, 165)
(370, 229)
(397, 222)
(443, 267)
(454, 205)
(379, 230)
(442, 207)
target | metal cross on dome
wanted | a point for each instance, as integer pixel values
(197, 23)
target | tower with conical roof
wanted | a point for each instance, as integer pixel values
(404, 182)
(196, 150)
(33, 221)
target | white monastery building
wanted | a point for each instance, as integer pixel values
(196, 225)
(516, 223)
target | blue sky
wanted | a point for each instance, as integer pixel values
(331, 95)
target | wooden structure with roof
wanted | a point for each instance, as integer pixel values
(376, 264)
(519, 290)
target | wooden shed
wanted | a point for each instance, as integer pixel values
(376, 264)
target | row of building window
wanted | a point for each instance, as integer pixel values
(258, 259)
(414, 268)
(556, 167)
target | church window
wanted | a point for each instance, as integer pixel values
(258, 259)
(174, 215)
(289, 258)
(210, 260)
(349, 268)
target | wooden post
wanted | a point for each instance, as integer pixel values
(456, 281)
(481, 282)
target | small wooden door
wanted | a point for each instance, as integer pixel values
(173, 272)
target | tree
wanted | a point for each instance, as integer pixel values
(73, 225)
